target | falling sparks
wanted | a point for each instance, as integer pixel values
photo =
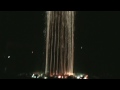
(60, 43)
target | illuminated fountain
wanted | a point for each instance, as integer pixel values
(60, 43)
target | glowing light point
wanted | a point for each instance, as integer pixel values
(45, 77)
(81, 75)
(81, 47)
(8, 56)
(59, 76)
(32, 51)
(86, 77)
(78, 77)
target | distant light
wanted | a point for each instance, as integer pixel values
(81, 47)
(59, 76)
(32, 51)
(8, 56)
(78, 77)
(45, 77)
(38, 76)
(5, 68)
(33, 75)
(81, 75)
(86, 77)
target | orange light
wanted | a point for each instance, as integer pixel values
(86, 77)
(70, 74)
(59, 76)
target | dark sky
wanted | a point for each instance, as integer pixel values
(96, 31)
(20, 33)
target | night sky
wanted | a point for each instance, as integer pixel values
(22, 32)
